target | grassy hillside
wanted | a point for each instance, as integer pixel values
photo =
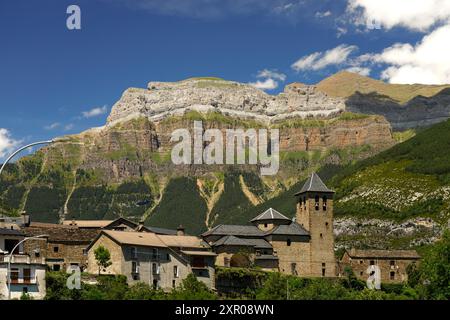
(344, 84)
(411, 179)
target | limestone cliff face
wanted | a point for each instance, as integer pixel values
(161, 100)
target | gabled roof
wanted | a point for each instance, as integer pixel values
(392, 254)
(145, 239)
(157, 230)
(11, 232)
(270, 214)
(183, 241)
(235, 230)
(314, 184)
(87, 223)
(293, 229)
(231, 241)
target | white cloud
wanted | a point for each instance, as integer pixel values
(268, 84)
(52, 126)
(321, 60)
(68, 127)
(95, 112)
(364, 71)
(271, 79)
(413, 14)
(271, 74)
(427, 62)
(324, 14)
(7, 143)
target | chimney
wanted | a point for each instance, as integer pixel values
(25, 219)
(180, 230)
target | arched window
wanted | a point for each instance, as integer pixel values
(324, 203)
(317, 202)
(288, 242)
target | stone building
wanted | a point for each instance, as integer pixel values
(162, 261)
(27, 272)
(303, 246)
(392, 263)
(64, 246)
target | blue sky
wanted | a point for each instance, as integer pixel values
(55, 81)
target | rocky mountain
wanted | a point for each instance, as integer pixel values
(125, 169)
(404, 106)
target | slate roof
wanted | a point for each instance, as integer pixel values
(270, 214)
(391, 254)
(235, 230)
(10, 232)
(231, 241)
(314, 184)
(259, 243)
(162, 231)
(293, 229)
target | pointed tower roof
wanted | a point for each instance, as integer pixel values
(314, 184)
(270, 214)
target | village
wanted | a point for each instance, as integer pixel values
(163, 258)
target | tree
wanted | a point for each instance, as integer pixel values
(192, 289)
(103, 258)
(435, 270)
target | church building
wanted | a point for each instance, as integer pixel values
(302, 246)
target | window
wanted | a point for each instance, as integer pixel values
(226, 262)
(56, 249)
(134, 267)
(133, 253)
(324, 203)
(155, 284)
(37, 253)
(317, 203)
(154, 254)
(293, 268)
(175, 272)
(174, 284)
(85, 252)
(288, 242)
(14, 275)
(265, 225)
(361, 273)
(326, 224)
(155, 268)
(392, 263)
(56, 267)
(27, 275)
(321, 235)
(372, 262)
(392, 275)
(168, 257)
(10, 244)
(361, 261)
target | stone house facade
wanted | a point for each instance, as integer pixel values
(303, 246)
(392, 263)
(27, 272)
(161, 261)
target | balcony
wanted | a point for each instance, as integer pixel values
(21, 259)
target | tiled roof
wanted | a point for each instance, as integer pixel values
(61, 233)
(88, 223)
(270, 214)
(161, 230)
(293, 229)
(235, 230)
(392, 254)
(136, 238)
(314, 184)
(149, 239)
(183, 241)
